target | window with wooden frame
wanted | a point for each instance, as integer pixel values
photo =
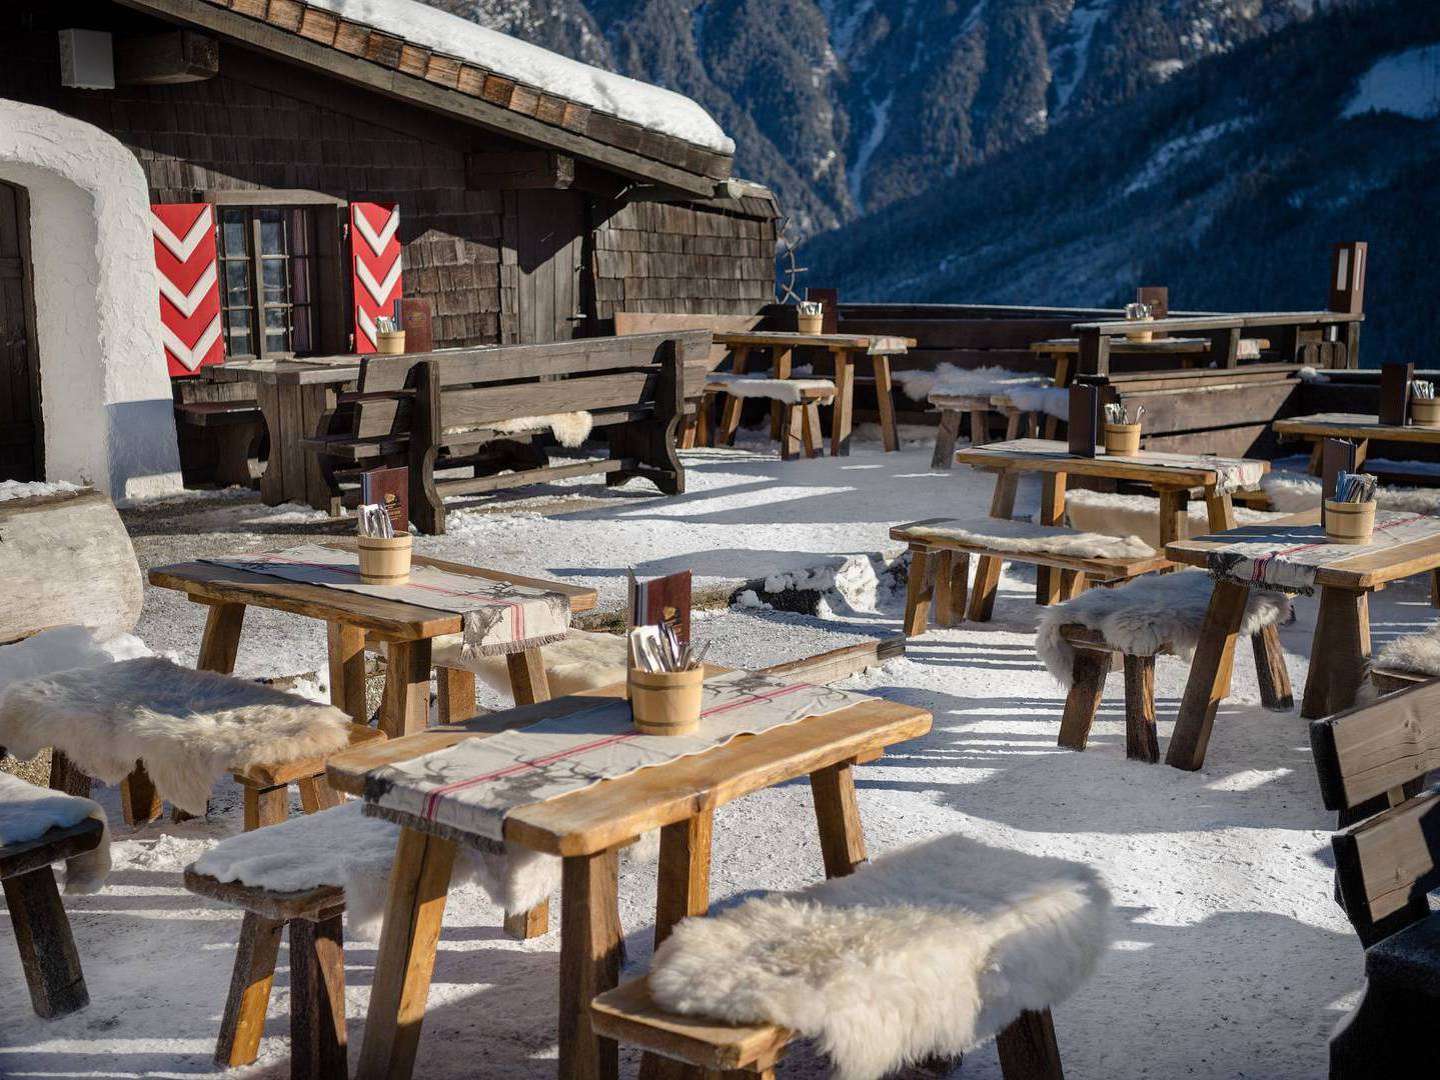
(268, 280)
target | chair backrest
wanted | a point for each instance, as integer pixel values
(506, 382)
(1387, 862)
(649, 322)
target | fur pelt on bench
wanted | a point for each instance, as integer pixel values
(1139, 515)
(1294, 493)
(188, 727)
(28, 812)
(923, 953)
(1146, 615)
(570, 429)
(1416, 653)
(1023, 536)
(947, 380)
(583, 661)
(786, 391)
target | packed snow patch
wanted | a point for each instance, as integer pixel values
(34, 489)
(1406, 83)
(649, 106)
(64, 649)
(28, 812)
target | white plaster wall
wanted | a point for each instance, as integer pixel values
(105, 393)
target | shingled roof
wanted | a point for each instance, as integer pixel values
(481, 85)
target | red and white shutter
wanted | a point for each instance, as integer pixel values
(189, 285)
(375, 255)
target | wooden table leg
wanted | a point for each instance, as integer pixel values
(590, 943)
(987, 568)
(454, 694)
(1271, 672)
(683, 890)
(346, 647)
(405, 707)
(528, 681)
(1174, 515)
(1052, 512)
(405, 960)
(779, 370)
(885, 400)
(1209, 680)
(842, 841)
(946, 436)
(1342, 646)
(221, 642)
(844, 415)
(272, 481)
(317, 998)
(315, 402)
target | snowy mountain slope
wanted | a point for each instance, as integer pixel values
(1228, 183)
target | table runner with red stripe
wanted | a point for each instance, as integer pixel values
(471, 786)
(499, 617)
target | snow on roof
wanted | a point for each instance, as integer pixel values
(1407, 83)
(641, 103)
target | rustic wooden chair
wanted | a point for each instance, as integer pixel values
(42, 931)
(1372, 762)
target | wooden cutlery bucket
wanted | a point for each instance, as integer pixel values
(1425, 412)
(1348, 522)
(384, 560)
(1122, 439)
(810, 324)
(390, 342)
(666, 702)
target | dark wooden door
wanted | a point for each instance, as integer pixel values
(549, 239)
(21, 441)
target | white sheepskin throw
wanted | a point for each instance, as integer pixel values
(1023, 536)
(570, 429)
(188, 727)
(1143, 616)
(1050, 400)
(926, 952)
(63, 649)
(1417, 653)
(28, 812)
(1139, 515)
(947, 380)
(788, 391)
(1293, 493)
(342, 847)
(583, 661)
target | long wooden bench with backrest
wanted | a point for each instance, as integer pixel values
(1373, 758)
(441, 410)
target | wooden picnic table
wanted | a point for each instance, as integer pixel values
(351, 620)
(587, 829)
(1054, 461)
(1357, 426)
(843, 348)
(293, 395)
(1339, 650)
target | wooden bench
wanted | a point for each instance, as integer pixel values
(799, 401)
(940, 568)
(434, 411)
(235, 428)
(953, 407)
(1372, 763)
(314, 919)
(42, 930)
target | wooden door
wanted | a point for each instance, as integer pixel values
(549, 238)
(21, 439)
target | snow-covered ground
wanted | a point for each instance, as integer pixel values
(1231, 957)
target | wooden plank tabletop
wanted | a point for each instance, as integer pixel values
(794, 339)
(1361, 571)
(1125, 345)
(1353, 426)
(616, 811)
(389, 619)
(1048, 455)
(287, 372)
(1240, 319)
(1116, 566)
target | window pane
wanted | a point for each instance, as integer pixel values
(237, 283)
(272, 232)
(272, 273)
(233, 232)
(277, 318)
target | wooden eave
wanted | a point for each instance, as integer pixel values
(379, 61)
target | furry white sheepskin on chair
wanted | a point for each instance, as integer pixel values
(570, 429)
(342, 847)
(1293, 493)
(1417, 653)
(583, 661)
(786, 391)
(1024, 536)
(1146, 615)
(28, 812)
(925, 952)
(1139, 515)
(188, 727)
(947, 380)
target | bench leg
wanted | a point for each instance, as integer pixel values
(729, 420)
(1087, 686)
(139, 802)
(64, 776)
(265, 805)
(316, 794)
(789, 432)
(1028, 1050)
(810, 431)
(952, 583)
(317, 999)
(1141, 741)
(941, 600)
(688, 428)
(987, 585)
(1209, 680)
(705, 420)
(455, 694)
(918, 592)
(945, 439)
(243, 1021)
(837, 812)
(524, 925)
(1274, 677)
(47, 949)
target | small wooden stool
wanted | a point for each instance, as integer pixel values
(314, 918)
(799, 401)
(42, 930)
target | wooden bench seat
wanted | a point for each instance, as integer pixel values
(234, 427)
(940, 567)
(267, 787)
(42, 931)
(799, 401)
